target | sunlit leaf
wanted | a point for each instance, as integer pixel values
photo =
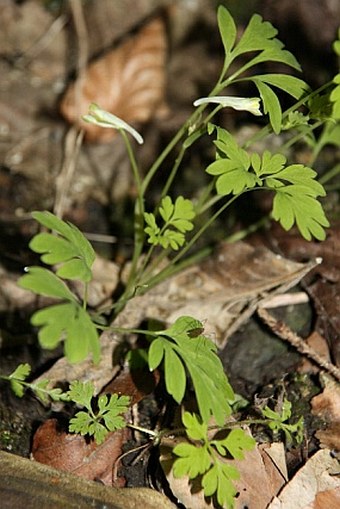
(227, 28)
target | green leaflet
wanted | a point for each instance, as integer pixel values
(70, 248)
(219, 480)
(70, 323)
(18, 376)
(335, 94)
(278, 422)
(227, 28)
(271, 104)
(44, 282)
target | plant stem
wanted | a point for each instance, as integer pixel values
(138, 224)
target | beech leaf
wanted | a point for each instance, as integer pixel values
(128, 82)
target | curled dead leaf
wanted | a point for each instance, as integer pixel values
(128, 82)
(72, 453)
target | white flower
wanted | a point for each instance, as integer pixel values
(251, 104)
(103, 118)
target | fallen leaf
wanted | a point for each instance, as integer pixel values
(136, 383)
(329, 499)
(319, 345)
(327, 406)
(316, 476)
(128, 82)
(73, 453)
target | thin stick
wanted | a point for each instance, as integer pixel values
(284, 332)
(74, 137)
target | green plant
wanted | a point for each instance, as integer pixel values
(97, 423)
(202, 454)
(67, 320)
(169, 235)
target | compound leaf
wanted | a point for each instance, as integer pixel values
(177, 219)
(91, 422)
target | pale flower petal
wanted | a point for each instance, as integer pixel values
(103, 118)
(251, 104)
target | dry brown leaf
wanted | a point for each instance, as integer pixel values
(320, 346)
(72, 453)
(327, 406)
(329, 499)
(128, 82)
(316, 476)
(136, 383)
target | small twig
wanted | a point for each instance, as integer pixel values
(142, 447)
(72, 144)
(43, 42)
(284, 332)
(74, 137)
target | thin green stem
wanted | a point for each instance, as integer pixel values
(134, 167)
(126, 330)
(148, 270)
(138, 224)
(171, 270)
(86, 289)
(173, 172)
(330, 174)
(301, 135)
